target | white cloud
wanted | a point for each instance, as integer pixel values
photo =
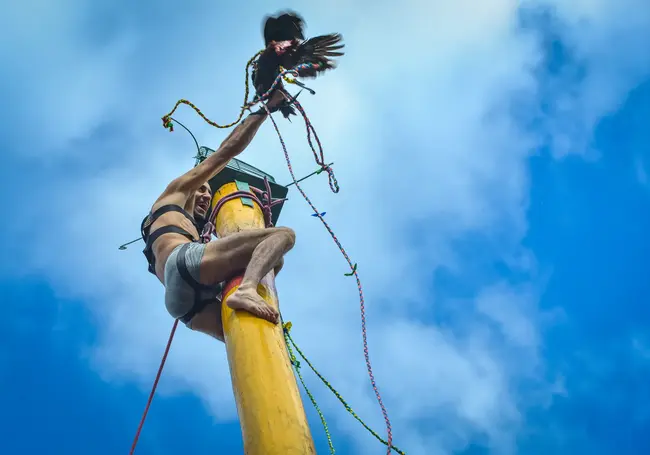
(58, 81)
(607, 42)
(419, 121)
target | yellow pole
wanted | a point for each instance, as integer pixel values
(271, 414)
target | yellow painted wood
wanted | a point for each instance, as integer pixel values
(271, 413)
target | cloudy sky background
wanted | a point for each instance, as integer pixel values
(494, 167)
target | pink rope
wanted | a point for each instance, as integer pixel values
(317, 213)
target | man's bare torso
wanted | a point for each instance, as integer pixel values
(166, 243)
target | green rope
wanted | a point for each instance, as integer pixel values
(296, 363)
(354, 269)
(290, 341)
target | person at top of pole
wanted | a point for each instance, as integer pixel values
(193, 272)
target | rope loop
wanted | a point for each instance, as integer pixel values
(262, 198)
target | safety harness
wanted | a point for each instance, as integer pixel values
(200, 300)
(151, 237)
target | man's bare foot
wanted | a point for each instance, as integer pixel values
(248, 299)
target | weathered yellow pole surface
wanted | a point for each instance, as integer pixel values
(271, 414)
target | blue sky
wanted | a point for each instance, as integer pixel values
(495, 191)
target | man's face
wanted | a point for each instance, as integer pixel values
(202, 199)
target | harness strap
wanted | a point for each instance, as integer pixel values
(152, 217)
(199, 303)
(150, 238)
(169, 208)
(181, 263)
(197, 307)
(167, 230)
(148, 251)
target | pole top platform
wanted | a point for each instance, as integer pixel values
(237, 170)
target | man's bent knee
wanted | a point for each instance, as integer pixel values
(290, 235)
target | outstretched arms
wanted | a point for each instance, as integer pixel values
(233, 145)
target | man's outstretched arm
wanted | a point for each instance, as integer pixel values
(233, 145)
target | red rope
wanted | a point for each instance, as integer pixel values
(153, 389)
(334, 187)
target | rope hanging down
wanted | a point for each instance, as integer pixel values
(154, 387)
(286, 327)
(296, 365)
(353, 267)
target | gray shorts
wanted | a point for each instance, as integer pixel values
(185, 296)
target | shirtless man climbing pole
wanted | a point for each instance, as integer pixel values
(193, 272)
